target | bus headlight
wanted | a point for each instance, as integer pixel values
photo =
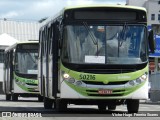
(138, 81)
(132, 82)
(71, 80)
(78, 83)
(23, 83)
(65, 76)
(143, 77)
(68, 78)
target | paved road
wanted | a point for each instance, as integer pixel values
(31, 105)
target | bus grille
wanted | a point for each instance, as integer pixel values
(101, 83)
(31, 84)
(32, 90)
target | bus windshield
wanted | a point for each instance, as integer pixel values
(26, 62)
(104, 44)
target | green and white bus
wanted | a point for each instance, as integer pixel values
(20, 71)
(95, 55)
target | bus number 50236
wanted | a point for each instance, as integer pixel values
(87, 77)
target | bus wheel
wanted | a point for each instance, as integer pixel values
(48, 103)
(101, 107)
(14, 97)
(61, 105)
(8, 97)
(132, 105)
(111, 107)
(40, 98)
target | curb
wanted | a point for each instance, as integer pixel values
(149, 102)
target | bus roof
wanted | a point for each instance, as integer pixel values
(89, 6)
(109, 6)
(17, 43)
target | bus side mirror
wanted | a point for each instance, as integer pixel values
(151, 41)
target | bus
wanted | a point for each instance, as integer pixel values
(5, 41)
(20, 70)
(95, 55)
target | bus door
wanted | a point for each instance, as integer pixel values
(44, 65)
(11, 71)
(50, 59)
(55, 56)
(7, 74)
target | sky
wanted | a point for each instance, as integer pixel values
(38, 9)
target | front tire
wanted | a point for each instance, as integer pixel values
(111, 107)
(48, 103)
(101, 107)
(132, 106)
(14, 97)
(40, 98)
(61, 105)
(8, 97)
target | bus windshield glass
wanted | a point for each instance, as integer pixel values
(104, 44)
(26, 61)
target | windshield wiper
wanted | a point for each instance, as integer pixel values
(95, 42)
(90, 33)
(122, 36)
(29, 53)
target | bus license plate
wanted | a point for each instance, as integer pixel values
(105, 91)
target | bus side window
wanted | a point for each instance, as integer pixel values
(46, 45)
(1, 56)
(40, 43)
(44, 42)
(51, 39)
